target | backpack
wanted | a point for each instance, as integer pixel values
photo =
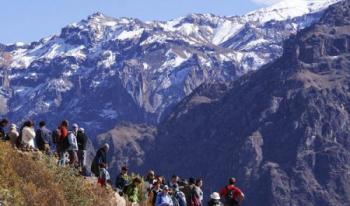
(181, 198)
(230, 197)
(195, 201)
(175, 200)
(56, 134)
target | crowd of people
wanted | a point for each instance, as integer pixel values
(69, 145)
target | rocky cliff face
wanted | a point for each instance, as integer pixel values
(283, 131)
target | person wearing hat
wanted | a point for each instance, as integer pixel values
(100, 157)
(13, 135)
(122, 180)
(231, 194)
(163, 198)
(215, 200)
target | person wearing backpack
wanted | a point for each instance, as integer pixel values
(82, 142)
(73, 146)
(56, 134)
(215, 200)
(163, 198)
(187, 190)
(42, 138)
(101, 157)
(179, 196)
(63, 143)
(231, 194)
(197, 193)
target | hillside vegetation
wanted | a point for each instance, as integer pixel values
(34, 179)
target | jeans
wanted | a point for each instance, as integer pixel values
(63, 159)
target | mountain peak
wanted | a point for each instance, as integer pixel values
(288, 9)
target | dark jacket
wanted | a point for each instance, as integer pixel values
(101, 157)
(43, 136)
(2, 133)
(121, 181)
(82, 140)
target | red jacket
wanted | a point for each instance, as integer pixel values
(237, 193)
(64, 132)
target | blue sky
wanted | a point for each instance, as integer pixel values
(30, 20)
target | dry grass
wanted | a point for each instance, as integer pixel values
(34, 179)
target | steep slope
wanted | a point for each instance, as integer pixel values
(35, 179)
(102, 70)
(283, 131)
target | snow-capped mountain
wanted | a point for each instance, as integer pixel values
(104, 70)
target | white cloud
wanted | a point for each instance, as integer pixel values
(266, 2)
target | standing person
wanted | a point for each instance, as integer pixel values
(231, 194)
(132, 191)
(179, 196)
(215, 200)
(197, 193)
(187, 190)
(13, 135)
(152, 195)
(101, 157)
(174, 182)
(63, 143)
(163, 198)
(82, 141)
(3, 124)
(122, 180)
(147, 186)
(73, 145)
(28, 135)
(43, 136)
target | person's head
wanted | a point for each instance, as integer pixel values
(4, 122)
(156, 185)
(174, 179)
(150, 175)
(75, 128)
(106, 147)
(28, 123)
(136, 181)
(232, 181)
(215, 196)
(82, 130)
(64, 123)
(161, 179)
(102, 165)
(124, 170)
(199, 182)
(13, 127)
(165, 189)
(42, 124)
(191, 181)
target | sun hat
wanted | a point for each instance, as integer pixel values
(215, 196)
